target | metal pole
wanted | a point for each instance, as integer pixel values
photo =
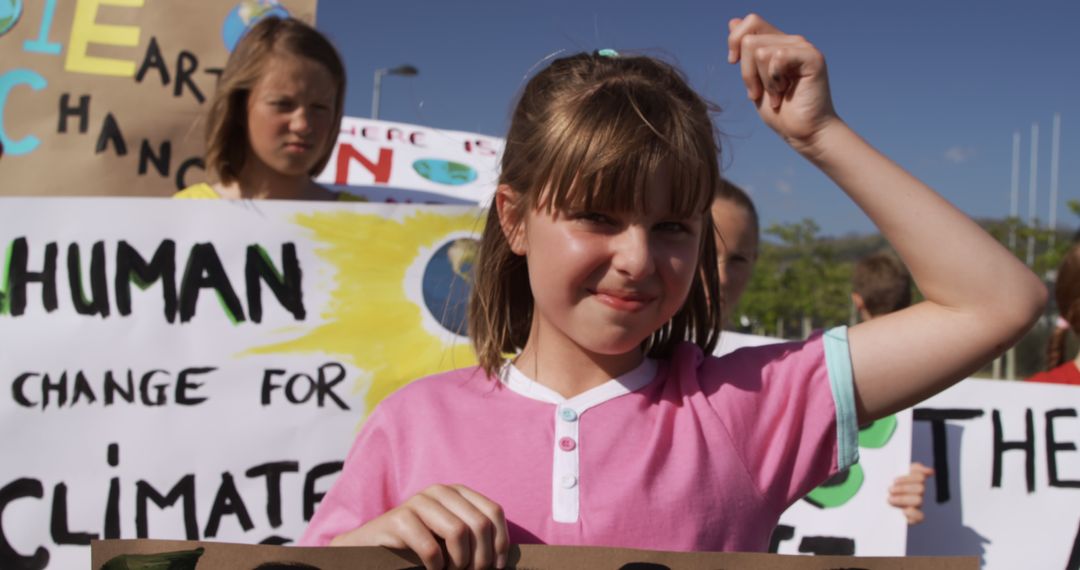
(1009, 357)
(375, 93)
(1032, 178)
(1055, 146)
(1014, 203)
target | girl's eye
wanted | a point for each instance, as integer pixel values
(594, 218)
(673, 227)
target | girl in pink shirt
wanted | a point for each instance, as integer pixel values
(610, 425)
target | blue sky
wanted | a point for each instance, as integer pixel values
(940, 87)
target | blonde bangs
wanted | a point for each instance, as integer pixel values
(603, 150)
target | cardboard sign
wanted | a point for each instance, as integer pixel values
(144, 554)
(107, 97)
(1007, 482)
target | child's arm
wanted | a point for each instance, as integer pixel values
(472, 527)
(979, 298)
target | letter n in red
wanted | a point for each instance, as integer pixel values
(380, 169)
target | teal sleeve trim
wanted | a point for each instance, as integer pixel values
(838, 363)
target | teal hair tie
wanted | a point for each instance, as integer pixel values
(607, 53)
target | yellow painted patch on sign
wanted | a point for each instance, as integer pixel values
(375, 317)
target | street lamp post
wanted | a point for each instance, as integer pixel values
(403, 70)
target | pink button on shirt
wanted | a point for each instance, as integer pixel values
(695, 453)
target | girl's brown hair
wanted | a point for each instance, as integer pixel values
(1067, 296)
(883, 282)
(587, 133)
(727, 190)
(226, 123)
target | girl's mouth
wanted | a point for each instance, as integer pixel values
(630, 301)
(297, 147)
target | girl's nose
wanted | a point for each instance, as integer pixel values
(632, 255)
(722, 269)
(299, 123)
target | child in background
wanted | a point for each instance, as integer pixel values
(1059, 370)
(880, 284)
(274, 117)
(736, 224)
(610, 425)
(736, 228)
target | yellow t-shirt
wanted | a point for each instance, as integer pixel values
(199, 191)
(203, 191)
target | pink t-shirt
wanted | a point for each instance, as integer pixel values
(692, 454)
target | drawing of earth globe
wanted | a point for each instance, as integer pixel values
(445, 172)
(10, 10)
(244, 15)
(447, 282)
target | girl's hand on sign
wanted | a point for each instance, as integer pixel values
(907, 492)
(785, 77)
(447, 526)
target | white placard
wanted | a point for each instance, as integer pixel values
(1007, 486)
(399, 162)
(198, 369)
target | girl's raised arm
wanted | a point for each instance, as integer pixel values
(979, 298)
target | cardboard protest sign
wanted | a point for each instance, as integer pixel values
(399, 162)
(1007, 481)
(144, 554)
(106, 97)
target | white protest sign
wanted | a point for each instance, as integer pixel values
(198, 369)
(1007, 486)
(851, 515)
(400, 162)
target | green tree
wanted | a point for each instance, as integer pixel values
(798, 279)
(1049, 246)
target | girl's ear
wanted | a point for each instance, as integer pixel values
(860, 306)
(506, 202)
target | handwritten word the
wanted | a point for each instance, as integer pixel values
(1019, 442)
